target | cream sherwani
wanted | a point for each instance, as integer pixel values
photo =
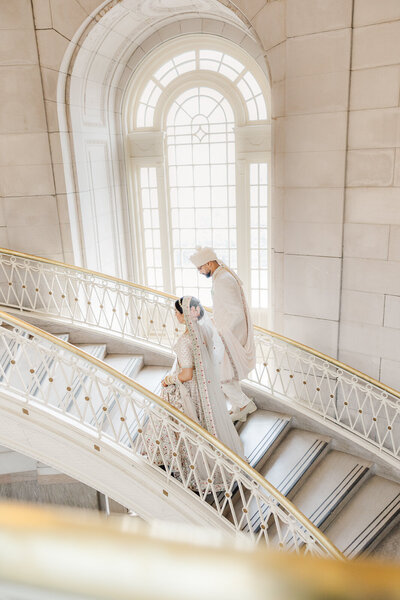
(233, 321)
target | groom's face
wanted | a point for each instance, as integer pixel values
(205, 270)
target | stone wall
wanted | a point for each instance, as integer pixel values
(336, 204)
(33, 215)
(370, 307)
(310, 95)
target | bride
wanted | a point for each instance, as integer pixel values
(193, 385)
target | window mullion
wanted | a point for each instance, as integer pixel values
(165, 227)
(242, 219)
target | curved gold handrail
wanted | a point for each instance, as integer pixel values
(132, 550)
(299, 345)
(309, 526)
(333, 361)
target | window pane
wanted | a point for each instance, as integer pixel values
(164, 69)
(151, 226)
(218, 153)
(219, 175)
(210, 54)
(233, 63)
(204, 166)
(202, 196)
(258, 235)
(228, 72)
(147, 91)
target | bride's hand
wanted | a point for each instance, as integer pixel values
(163, 383)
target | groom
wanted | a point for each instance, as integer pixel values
(233, 321)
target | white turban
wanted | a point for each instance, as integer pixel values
(202, 256)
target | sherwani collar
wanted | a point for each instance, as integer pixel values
(217, 272)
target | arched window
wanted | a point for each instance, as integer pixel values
(198, 140)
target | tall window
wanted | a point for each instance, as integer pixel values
(198, 176)
(258, 233)
(201, 168)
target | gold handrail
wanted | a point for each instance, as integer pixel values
(333, 361)
(324, 541)
(317, 353)
(86, 555)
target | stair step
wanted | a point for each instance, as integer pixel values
(59, 383)
(368, 516)
(96, 350)
(261, 433)
(336, 477)
(299, 451)
(292, 460)
(151, 376)
(62, 336)
(128, 364)
(77, 385)
(9, 350)
(27, 362)
(42, 369)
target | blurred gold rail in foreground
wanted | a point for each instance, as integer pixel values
(58, 553)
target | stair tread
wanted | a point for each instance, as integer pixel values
(96, 350)
(67, 388)
(150, 377)
(128, 364)
(62, 336)
(326, 488)
(260, 431)
(366, 515)
(292, 459)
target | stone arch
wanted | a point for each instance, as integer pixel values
(99, 63)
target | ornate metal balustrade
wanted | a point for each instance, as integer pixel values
(49, 375)
(359, 406)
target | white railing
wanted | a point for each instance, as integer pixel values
(358, 406)
(364, 409)
(50, 375)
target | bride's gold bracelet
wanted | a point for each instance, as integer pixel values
(171, 379)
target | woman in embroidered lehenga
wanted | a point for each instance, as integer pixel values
(193, 387)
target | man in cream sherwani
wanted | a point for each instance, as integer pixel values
(232, 319)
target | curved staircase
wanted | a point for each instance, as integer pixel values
(324, 436)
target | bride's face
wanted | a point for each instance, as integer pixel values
(179, 316)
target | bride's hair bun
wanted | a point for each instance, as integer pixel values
(194, 303)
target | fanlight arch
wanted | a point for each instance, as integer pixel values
(198, 150)
(211, 55)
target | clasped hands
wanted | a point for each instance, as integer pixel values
(169, 380)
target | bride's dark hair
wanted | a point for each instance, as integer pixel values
(193, 302)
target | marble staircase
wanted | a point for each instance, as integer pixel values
(339, 491)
